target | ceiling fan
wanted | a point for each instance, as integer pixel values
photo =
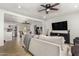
(49, 7)
(25, 22)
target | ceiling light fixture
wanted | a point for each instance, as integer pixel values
(48, 9)
(19, 6)
(76, 6)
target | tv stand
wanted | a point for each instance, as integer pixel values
(65, 35)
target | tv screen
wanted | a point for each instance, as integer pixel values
(59, 25)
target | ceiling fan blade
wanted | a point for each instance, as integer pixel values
(41, 10)
(55, 4)
(43, 5)
(54, 8)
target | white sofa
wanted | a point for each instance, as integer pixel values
(48, 46)
(43, 48)
(53, 39)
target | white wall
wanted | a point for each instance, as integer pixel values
(1, 28)
(73, 23)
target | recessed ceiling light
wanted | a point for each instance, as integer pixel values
(19, 6)
(75, 6)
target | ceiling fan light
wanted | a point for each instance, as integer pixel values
(48, 9)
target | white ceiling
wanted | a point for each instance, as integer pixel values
(31, 9)
(13, 18)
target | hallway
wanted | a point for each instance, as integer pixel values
(11, 48)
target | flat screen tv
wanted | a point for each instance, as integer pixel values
(59, 25)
